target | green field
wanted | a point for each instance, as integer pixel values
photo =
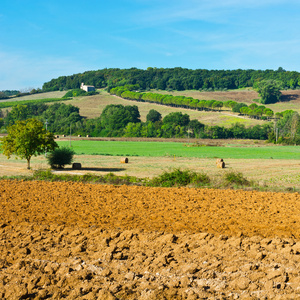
(170, 149)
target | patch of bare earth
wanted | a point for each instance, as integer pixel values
(86, 241)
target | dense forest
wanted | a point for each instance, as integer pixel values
(175, 79)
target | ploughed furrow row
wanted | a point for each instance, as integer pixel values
(85, 241)
(173, 210)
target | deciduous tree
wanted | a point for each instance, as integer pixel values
(26, 139)
(269, 90)
(153, 116)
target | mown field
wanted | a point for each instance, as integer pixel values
(190, 149)
(270, 167)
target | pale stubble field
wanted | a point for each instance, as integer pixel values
(277, 174)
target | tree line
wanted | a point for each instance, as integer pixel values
(252, 111)
(124, 121)
(176, 79)
(119, 120)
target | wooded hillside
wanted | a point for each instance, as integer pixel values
(175, 79)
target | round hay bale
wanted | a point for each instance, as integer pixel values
(219, 160)
(124, 160)
(221, 165)
(79, 135)
(88, 135)
(76, 166)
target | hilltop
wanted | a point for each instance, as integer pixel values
(175, 79)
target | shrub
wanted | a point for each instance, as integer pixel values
(75, 93)
(60, 157)
(235, 178)
(178, 177)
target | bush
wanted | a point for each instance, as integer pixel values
(60, 157)
(75, 93)
(179, 178)
(235, 178)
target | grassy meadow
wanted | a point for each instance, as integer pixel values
(171, 149)
(92, 106)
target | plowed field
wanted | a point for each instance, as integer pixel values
(85, 241)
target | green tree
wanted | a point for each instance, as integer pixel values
(269, 91)
(26, 139)
(237, 107)
(133, 130)
(217, 104)
(177, 118)
(3, 96)
(268, 112)
(116, 117)
(18, 113)
(153, 116)
(196, 127)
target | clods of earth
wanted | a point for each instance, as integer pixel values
(63, 240)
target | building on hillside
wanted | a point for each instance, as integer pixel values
(87, 88)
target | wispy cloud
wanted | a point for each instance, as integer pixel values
(206, 10)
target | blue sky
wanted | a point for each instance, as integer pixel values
(41, 40)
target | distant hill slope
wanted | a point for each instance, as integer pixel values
(290, 98)
(92, 106)
(174, 78)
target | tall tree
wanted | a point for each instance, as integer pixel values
(26, 139)
(177, 118)
(269, 90)
(117, 116)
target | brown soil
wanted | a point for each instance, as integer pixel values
(87, 241)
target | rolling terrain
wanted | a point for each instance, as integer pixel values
(90, 241)
(92, 106)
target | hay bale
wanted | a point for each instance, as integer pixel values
(79, 135)
(221, 165)
(219, 160)
(87, 135)
(76, 166)
(124, 160)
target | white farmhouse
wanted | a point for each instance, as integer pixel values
(87, 88)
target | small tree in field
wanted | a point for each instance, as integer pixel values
(60, 157)
(26, 139)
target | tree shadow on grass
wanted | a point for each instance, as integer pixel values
(290, 97)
